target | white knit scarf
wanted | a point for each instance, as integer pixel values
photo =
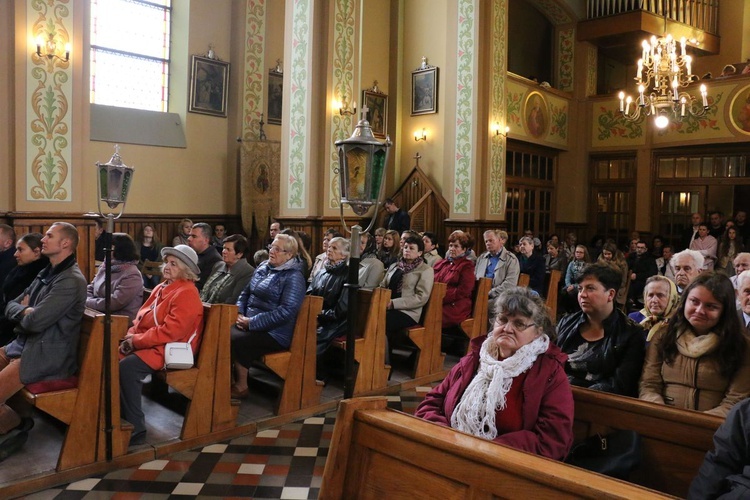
(486, 393)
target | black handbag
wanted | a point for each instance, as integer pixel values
(615, 454)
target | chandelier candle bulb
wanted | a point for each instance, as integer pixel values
(642, 97)
(704, 94)
(682, 107)
(640, 69)
(622, 102)
(674, 89)
(688, 61)
(627, 105)
(682, 45)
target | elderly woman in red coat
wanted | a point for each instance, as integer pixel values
(511, 388)
(457, 271)
(173, 313)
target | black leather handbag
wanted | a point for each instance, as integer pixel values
(615, 454)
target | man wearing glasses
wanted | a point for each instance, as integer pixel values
(605, 348)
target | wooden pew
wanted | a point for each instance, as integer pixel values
(152, 268)
(82, 407)
(674, 440)
(369, 345)
(476, 325)
(296, 367)
(552, 291)
(427, 337)
(381, 453)
(208, 384)
(524, 280)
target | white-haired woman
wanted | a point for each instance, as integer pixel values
(511, 388)
(173, 313)
(329, 283)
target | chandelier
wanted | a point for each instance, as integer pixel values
(663, 72)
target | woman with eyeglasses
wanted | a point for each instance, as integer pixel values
(511, 388)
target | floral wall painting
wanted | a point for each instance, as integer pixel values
(536, 115)
(739, 111)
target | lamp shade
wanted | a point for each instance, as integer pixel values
(362, 162)
(114, 179)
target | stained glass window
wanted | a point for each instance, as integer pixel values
(130, 53)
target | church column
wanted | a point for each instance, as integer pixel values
(494, 208)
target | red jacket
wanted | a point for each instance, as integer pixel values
(547, 402)
(459, 276)
(179, 312)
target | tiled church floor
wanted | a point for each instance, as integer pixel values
(285, 462)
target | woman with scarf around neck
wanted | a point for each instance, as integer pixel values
(127, 283)
(701, 361)
(410, 280)
(371, 269)
(230, 275)
(660, 300)
(511, 388)
(457, 272)
(329, 283)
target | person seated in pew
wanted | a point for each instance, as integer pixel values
(725, 471)
(329, 283)
(410, 280)
(7, 262)
(457, 272)
(431, 250)
(126, 295)
(172, 313)
(569, 295)
(260, 257)
(497, 264)
(389, 252)
(511, 387)
(687, 265)
(554, 259)
(230, 275)
(660, 299)
(183, 232)
(30, 263)
(48, 318)
(200, 241)
(303, 256)
(701, 361)
(613, 257)
(371, 269)
(149, 247)
(268, 308)
(320, 258)
(605, 348)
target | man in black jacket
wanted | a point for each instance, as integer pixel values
(642, 266)
(605, 348)
(397, 219)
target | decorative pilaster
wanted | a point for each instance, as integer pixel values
(466, 67)
(566, 38)
(255, 36)
(49, 85)
(499, 50)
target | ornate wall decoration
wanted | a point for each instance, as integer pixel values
(555, 11)
(739, 111)
(591, 62)
(611, 124)
(499, 50)
(49, 87)
(301, 52)
(466, 72)
(565, 52)
(558, 121)
(343, 86)
(259, 184)
(693, 124)
(255, 36)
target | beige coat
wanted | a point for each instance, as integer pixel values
(692, 383)
(415, 289)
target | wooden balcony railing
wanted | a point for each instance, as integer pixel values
(700, 14)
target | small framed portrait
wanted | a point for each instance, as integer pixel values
(424, 91)
(209, 82)
(377, 104)
(275, 96)
(536, 114)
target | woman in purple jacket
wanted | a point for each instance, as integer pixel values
(511, 388)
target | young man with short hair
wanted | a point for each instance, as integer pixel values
(200, 241)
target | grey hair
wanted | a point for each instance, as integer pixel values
(527, 239)
(744, 276)
(521, 300)
(697, 257)
(343, 245)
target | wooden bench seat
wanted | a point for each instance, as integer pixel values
(553, 288)
(477, 324)
(428, 336)
(208, 384)
(381, 453)
(369, 345)
(82, 408)
(296, 367)
(674, 441)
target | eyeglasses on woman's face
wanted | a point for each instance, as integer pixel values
(516, 325)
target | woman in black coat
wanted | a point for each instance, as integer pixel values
(329, 283)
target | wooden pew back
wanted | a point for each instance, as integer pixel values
(82, 407)
(296, 367)
(369, 346)
(552, 292)
(427, 337)
(476, 325)
(381, 453)
(674, 440)
(524, 280)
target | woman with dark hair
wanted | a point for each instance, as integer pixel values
(127, 282)
(730, 245)
(30, 262)
(388, 254)
(701, 361)
(230, 275)
(532, 263)
(511, 388)
(431, 252)
(410, 280)
(613, 257)
(149, 247)
(569, 295)
(457, 272)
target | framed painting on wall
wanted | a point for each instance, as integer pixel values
(424, 90)
(209, 82)
(377, 115)
(275, 96)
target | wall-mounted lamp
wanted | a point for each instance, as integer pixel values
(420, 136)
(496, 130)
(343, 108)
(48, 48)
